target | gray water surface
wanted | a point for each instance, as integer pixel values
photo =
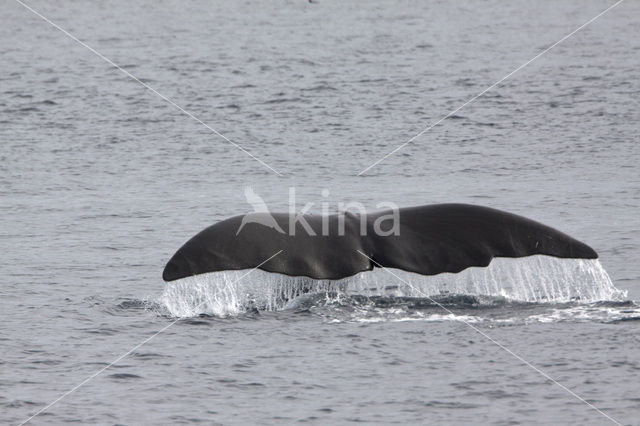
(101, 181)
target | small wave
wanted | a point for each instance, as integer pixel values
(320, 88)
(534, 279)
(127, 307)
(124, 376)
(244, 86)
(280, 100)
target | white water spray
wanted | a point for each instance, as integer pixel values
(530, 279)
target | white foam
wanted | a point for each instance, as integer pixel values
(531, 279)
(418, 316)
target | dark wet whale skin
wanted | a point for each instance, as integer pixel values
(432, 239)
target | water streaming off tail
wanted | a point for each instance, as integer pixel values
(531, 279)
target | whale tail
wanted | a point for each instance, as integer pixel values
(431, 240)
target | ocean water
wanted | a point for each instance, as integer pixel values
(101, 181)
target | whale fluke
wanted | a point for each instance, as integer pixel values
(429, 240)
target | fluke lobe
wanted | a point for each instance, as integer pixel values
(429, 240)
